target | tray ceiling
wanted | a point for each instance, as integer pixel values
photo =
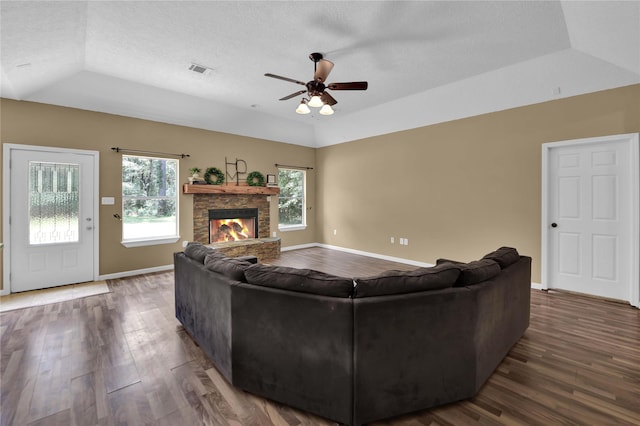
(425, 61)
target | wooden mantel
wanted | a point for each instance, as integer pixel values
(188, 188)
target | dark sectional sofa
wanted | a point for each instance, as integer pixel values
(354, 350)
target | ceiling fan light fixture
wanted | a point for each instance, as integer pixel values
(326, 110)
(315, 101)
(303, 108)
(316, 96)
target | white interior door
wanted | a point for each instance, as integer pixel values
(590, 217)
(52, 223)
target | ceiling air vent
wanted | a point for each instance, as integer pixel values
(200, 69)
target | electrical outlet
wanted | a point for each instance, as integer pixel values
(392, 240)
(274, 234)
(335, 232)
(406, 241)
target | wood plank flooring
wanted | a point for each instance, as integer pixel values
(123, 359)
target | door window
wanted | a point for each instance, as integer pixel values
(53, 203)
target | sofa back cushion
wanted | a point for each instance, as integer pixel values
(227, 266)
(476, 272)
(398, 282)
(505, 256)
(197, 251)
(300, 280)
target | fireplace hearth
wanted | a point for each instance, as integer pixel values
(227, 225)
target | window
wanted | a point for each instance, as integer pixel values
(149, 200)
(291, 202)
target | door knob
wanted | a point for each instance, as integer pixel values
(554, 225)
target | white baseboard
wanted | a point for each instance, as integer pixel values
(359, 252)
(124, 274)
(378, 256)
(136, 272)
(298, 247)
(535, 286)
(5, 291)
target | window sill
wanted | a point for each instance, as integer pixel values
(292, 228)
(150, 241)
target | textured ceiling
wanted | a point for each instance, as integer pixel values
(425, 61)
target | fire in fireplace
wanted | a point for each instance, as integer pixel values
(232, 225)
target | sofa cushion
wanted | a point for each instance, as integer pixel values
(398, 282)
(473, 272)
(300, 280)
(227, 266)
(476, 271)
(505, 256)
(197, 251)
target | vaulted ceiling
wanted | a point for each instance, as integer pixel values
(425, 61)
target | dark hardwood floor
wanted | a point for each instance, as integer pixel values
(123, 359)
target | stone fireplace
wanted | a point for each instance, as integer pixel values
(236, 203)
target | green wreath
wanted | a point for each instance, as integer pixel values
(255, 179)
(214, 171)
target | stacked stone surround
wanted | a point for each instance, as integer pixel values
(263, 248)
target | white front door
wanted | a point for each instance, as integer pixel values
(52, 219)
(590, 217)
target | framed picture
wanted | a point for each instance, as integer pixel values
(271, 179)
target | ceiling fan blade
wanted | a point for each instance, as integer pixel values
(293, 95)
(285, 78)
(354, 85)
(323, 68)
(328, 99)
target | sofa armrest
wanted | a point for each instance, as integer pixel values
(504, 305)
(203, 306)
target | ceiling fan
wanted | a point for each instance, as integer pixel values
(316, 88)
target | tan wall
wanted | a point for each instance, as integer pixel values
(45, 125)
(458, 189)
